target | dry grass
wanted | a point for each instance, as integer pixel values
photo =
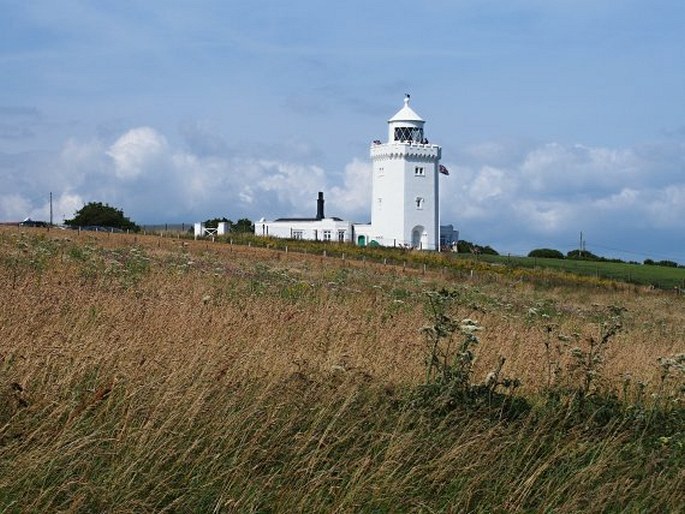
(149, 374)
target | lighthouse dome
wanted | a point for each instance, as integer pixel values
(406, 113)
(406, 126)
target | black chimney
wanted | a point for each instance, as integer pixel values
(319, 207)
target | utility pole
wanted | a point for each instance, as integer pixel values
(50, 208)
(580, 246)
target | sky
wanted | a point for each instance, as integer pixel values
(555, 117)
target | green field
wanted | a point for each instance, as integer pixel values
(663, 277)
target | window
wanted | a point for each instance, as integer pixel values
(326, 235)
(409, 134)
(419, 202)
(381, 171)
(297, 234)
(341, 235)
(419, 171)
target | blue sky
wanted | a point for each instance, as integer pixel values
(555, 117)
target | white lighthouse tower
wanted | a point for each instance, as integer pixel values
(405, 210)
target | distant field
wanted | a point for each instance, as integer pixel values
(162, 374)
(662, 277)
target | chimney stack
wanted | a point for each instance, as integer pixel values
(319, 207)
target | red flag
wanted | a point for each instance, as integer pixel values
(443, 170)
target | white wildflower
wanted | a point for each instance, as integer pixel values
(469, 326)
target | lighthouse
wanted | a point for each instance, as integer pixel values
(405, 208)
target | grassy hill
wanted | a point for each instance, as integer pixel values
(147, 374)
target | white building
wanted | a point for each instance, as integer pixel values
(405, 210)
(319, 228)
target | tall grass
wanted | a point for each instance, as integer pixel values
(143, 374)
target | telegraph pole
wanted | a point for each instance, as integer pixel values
(580, 247)
(50, 208)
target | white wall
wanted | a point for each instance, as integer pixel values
(308, 230)
(397, 186)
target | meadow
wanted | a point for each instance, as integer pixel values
(536, 269)
(159, 374)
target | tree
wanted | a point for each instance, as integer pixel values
(468, 247)
(214, 223)
(546, 253)
(102, 215)
(243, 225)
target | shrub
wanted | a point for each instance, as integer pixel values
(583, 255)
(546, 253)
(468, 247)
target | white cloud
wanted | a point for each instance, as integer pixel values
(553, 191)
(514, 198)
(555, 167)
(137, 152)
(14, 207)
(352, 198)
(490, 184)
(666, 209)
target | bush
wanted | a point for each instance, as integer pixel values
(101, 215)
(546, 253)
(583, 255)
(468, 247)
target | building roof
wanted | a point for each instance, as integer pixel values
(309, 219)
(406, 113)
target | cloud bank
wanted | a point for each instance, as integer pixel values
(627, 201)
